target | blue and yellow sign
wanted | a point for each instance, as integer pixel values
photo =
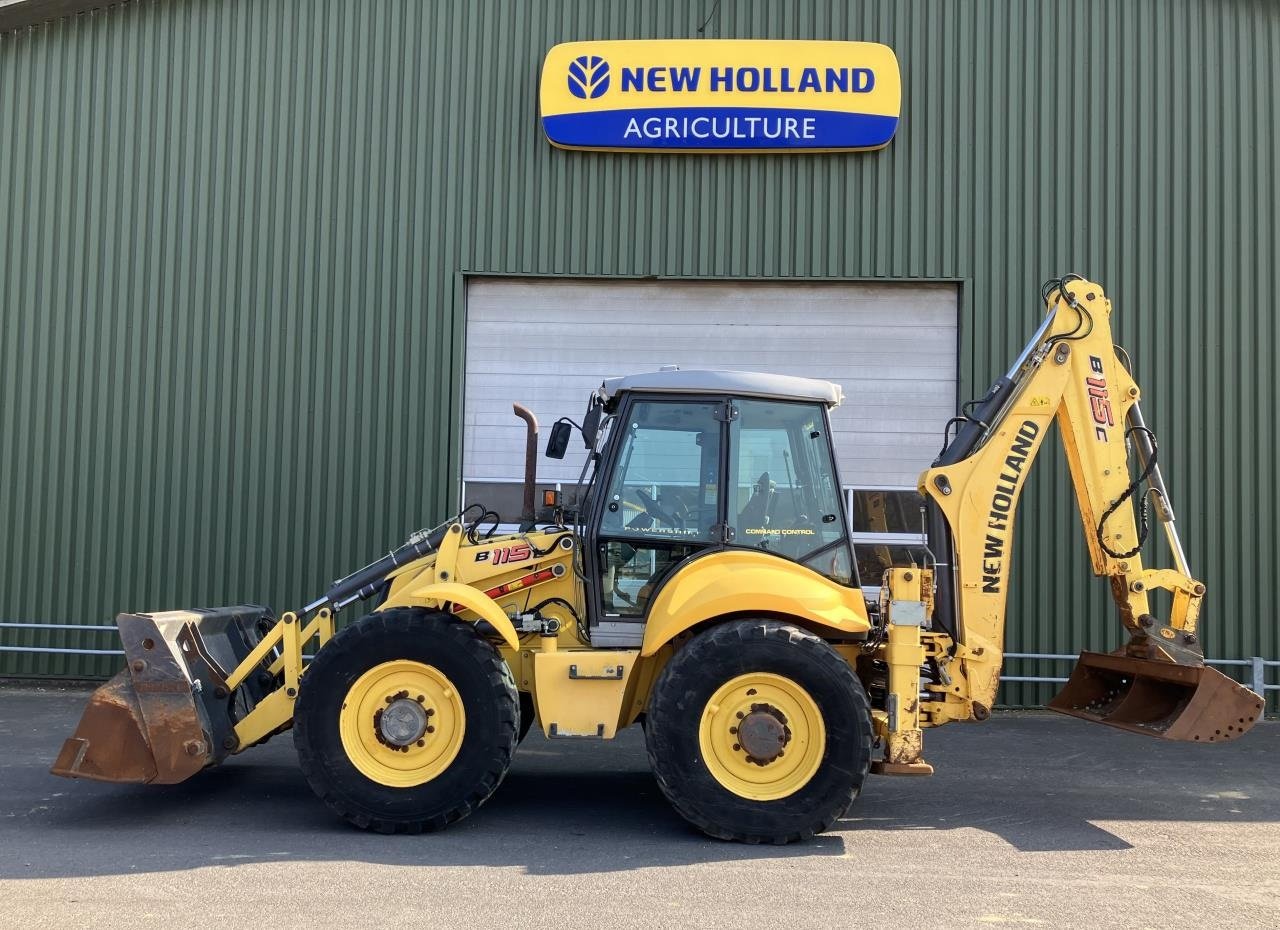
(720, 95)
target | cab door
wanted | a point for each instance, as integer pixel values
(660, 503)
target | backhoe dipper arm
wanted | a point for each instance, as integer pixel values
(1071, 371)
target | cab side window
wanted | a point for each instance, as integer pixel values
(783, 495)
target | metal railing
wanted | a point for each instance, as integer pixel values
(59, 650)
(1257, 666)
(63, 651)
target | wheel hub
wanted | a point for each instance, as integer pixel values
(763, 734)
(402, 722)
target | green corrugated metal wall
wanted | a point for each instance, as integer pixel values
(231, 270)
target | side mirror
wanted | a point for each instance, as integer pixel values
(591, 425)
(559, 440)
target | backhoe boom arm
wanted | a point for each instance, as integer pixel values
(1072, 372)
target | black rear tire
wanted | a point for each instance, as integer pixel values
(675, 714)
(485, 688)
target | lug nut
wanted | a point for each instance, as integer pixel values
(422, 742)
(431, 729)
(736, 747)
(422, 699)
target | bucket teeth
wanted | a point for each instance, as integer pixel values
(1185, 703)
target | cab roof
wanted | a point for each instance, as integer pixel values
(732, 383)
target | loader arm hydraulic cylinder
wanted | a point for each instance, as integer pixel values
(366, 582)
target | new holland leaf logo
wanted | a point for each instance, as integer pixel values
(588, 77)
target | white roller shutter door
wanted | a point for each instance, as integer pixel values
(547, 343)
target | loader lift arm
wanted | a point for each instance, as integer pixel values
(1157, 683)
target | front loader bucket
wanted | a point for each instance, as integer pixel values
(118, 741)
(169, 713)
(1175, 702)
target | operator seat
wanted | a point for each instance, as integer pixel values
(759, 509)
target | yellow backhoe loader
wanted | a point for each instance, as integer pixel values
(700, 582)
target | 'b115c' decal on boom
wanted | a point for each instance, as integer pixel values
(1099, 402)
(504, 555)
(1002, 504)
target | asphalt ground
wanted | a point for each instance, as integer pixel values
(1032, 820)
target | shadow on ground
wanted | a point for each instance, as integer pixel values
(1038, 782)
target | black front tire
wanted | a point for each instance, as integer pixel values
(485, 687)
(675, 714)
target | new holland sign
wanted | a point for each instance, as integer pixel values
(720, 95)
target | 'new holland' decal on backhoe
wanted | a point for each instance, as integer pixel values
(1002, 504)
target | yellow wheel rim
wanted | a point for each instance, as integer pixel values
(774, 718)
(402, 723)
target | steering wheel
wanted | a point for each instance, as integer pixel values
(655, 510)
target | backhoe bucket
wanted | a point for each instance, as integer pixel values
(1175, 702)
(169, 713)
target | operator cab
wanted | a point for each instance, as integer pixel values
(692, 462)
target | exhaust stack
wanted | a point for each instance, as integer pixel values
(527, 515)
